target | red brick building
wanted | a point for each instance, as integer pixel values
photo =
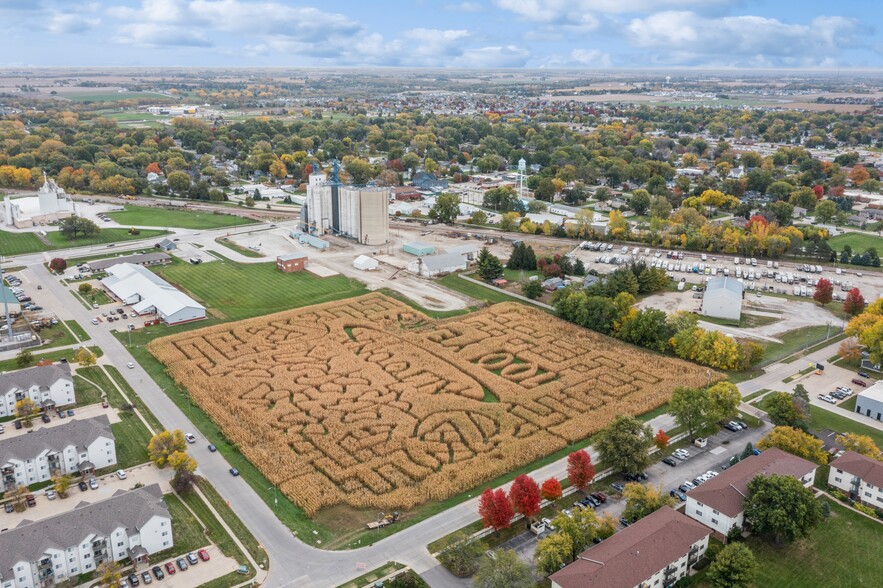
(294, 262)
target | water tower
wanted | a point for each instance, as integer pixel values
(522, 168)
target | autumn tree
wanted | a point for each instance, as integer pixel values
(860, 444)
(504, 570)
(824, 291)
(445, 209)
(61, 484)
(782, 410)
(854, 302)
(178, 181)
(26, 409)
(734, 567)
(583, 526)
(57, 265)
(661, 440)
(551, 489)
(461, 555)
(84, 357)
(164, 444)
(781, 507)
(724, 399)
(868, 328)
(24, 358)
(644, 499)
(84, 288)
(580, 470)
(184, 466)
(553, 552)
(153, 168)
(624, 443)
(525, 496)
(796, 442)
(495, 509)
(850, 350)
(110, 573)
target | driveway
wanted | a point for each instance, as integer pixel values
(80, 413)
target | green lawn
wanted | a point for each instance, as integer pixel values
(843, 552)
(144, 216)
(77, 330)
(849, 404)
(793, 341)
(56, 336)
(186, 530)
(236, 525)
(488, 294)
(131, 395)
(20, 243)
(825, 419)
(858, 241)
(10, 364)
(104, 236)
(87, 392)
(747, 321)
(103, 96)
(131, 438)
(238, 248)
(236, 291)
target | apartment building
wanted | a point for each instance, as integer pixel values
(858, 476)
(49, 386)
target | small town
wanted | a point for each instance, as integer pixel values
(482, 294)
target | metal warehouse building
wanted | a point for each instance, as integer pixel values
(150, 294)
(869, 402)
(723, 299)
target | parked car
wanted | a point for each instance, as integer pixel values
(146, 578)
(2, 429)
(133, 580)
(858, 382)
(864, 374)
(70, 412)
(732, 427)
(51, 495)
(170, 568)
(31, 501)
(190, 437)
(742, 424)
(104, 404)
(121, 474)
(234, 472)
(617, 486)
(18, 424)
(679, 495)
(624, 522)
(203, 554)
(44, 417)
(599, 496)
(191, 558)
(157, 573)
(8, 507)
(93, 483)
(130, 365)
(670, 461)
(182, 565)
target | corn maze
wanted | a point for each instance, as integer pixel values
(368, 403)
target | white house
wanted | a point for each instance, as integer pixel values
(656, 551)
(723, 299)
(859, 477)
(720, 502)
(150, 294)
(429, 266)
(49, 386)
(869, 401)
(78, 446)
(129, 525)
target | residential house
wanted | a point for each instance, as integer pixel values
(860, 477)
(654, 552)
(48, 386)
(426, 181)
(129, 525)
(78, 446)
(720, 502)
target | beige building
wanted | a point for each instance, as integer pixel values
(859, 477)
(355, 212)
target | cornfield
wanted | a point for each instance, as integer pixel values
(368, 403)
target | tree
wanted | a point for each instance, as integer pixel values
(553, 552)
(495, 509)
(479, 217)
(854, 302)
(152, 167)
(580, 470)
(796, 442)
(178, 181)
(825, 211)
(489, 265)
(532, 289)
(249, 201)
(723, 401)
(525, 496)
(824, 291)
(84, 357)
(782, 411)
(164, 444)
(57, 265)
(24, 358)
(110, 573)
(505, 570)
(603, 194)
(85, 288)
(551, 489)
(661, 440)
(644, 499)
(734, 567)
(689, 407)
(61, 484)
(860, 444)
(25, 409)
(75, 226)
(624, 443)
(445, 209)
(640, 201)
(780, 506)
(583, 526)
(461, 555)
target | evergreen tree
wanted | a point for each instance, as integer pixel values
(489, 266)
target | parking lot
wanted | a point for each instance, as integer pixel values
(195, 575)
(80, 412)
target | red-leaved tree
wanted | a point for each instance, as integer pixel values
(824, 291)
(580, 470)
(819, 191)
(661, 440)
(551, 489)
(495, 509)
(525, 495)
(153, 167)
(57, 265)
(854, 303)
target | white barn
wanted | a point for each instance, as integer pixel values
(430, 266)
(723, 299)
(150, 294)
(48, 386)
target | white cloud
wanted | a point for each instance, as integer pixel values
(590, 58)
(683, 37)
(150, 34)
(576, 10)
(492, 57)
(464, 7)
(62, 22)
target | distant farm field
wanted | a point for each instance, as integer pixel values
(110, 96)
(236, 291)
(858, 241)
(369, 403)
(145, 216)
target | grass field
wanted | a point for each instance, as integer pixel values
(793, 341)
(105, 236)
(87, 392)
(56, 336)
(186, 530)
(236, 291)
(77, 330)
(162, 217)
(236, 525)
(840, 553)
(858, 241)
(132, 438)
(10, 364)
(481, 293)
(110, 96)
(825, 419)
(20, 243)
(238, 248)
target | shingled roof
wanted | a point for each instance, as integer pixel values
(30, 540)
(78, 432)
(41, 375)
(868, 469)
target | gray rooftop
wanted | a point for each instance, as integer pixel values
(720, 284)
(30, 540)
(139, 259)
(291, 257)
(442, 261)
(41, 375)
(77, 432)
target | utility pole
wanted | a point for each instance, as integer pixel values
(5, 303)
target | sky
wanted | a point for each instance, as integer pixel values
(475, 34)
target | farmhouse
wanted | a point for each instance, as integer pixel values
(720, 502)
(48, 386)
(150, 294)
(77, 447)
(293, 262)
(429, 266)
(129, 525)
(99, 265)
(858, 476)
(870, 401)
(658, 550)
(723, 299)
